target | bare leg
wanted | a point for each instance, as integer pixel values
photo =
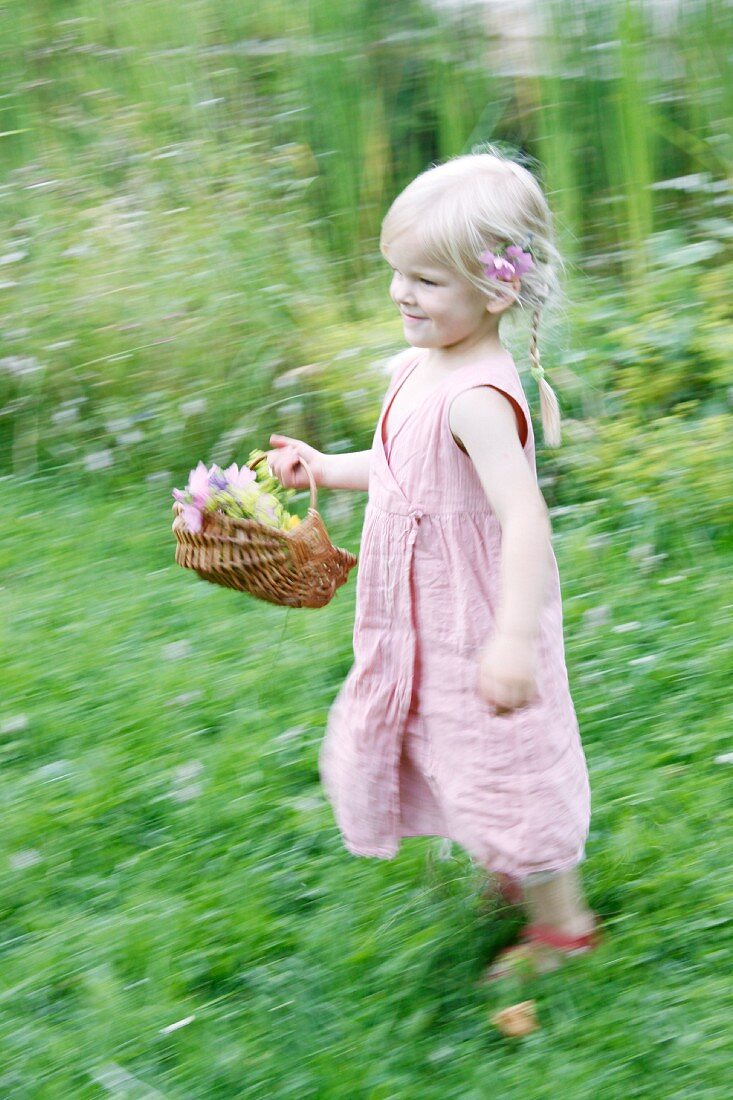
(559, 902)
(560, 923)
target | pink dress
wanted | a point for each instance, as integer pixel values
(411, 749)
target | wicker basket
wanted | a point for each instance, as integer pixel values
(298, 568)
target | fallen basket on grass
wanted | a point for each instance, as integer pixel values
(297, 568)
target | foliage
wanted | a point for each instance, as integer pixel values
(193, 204)
(669, 478)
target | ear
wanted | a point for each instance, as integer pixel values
(499, 302)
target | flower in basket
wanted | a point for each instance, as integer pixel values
(242, 493)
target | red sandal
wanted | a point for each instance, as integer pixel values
(542, 949)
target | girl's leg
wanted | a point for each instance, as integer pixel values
(560, 923)
(557, 901)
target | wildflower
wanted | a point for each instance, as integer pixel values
(496, 267)
(240, 492)
(513, 264)
(237, 478)
(216, 478)
(198, 484)
(193, 517)
(521, 261)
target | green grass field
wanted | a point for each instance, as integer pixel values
(178, 915)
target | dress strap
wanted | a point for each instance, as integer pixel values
(399, 365)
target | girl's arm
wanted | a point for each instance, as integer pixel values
(347, 471)
(343, 471)
(485, 423)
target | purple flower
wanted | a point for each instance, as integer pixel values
(496, 267)
(239, 479)
(522, 261)
(192, 517)
(198, 484)
(516, 265)
(217, 480)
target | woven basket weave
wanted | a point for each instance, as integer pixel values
(298, 568)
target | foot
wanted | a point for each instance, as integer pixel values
(543, 949)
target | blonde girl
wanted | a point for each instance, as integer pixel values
(456, 718)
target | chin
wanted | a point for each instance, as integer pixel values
(417, 341)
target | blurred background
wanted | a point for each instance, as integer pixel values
(193, 192)
(191, 200)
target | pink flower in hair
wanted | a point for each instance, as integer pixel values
(522, 261)
(513, 264)
(496, 267)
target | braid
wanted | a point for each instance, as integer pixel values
(534, 354)
(549, 407)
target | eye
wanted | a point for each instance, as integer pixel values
(428, 282)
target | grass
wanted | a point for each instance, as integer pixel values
(168, 854)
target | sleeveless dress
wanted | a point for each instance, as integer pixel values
(411, 749)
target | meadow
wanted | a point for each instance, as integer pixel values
(170, 859)
(191, 197)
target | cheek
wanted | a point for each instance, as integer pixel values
(432, 303)
(470, 313)
(451, 313)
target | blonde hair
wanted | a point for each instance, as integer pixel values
(479, 202)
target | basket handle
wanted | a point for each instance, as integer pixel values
(306, 467)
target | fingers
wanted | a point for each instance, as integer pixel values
(505, 697)
(283, 441)
(285, 465)
(284, 460)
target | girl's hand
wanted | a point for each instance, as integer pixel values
(285, 464)
(508, 672)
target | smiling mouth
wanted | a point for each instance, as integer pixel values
(412, 317)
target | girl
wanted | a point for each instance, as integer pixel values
(456, 718)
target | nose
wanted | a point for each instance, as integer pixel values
(400, 290)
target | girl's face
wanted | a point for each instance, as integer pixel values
(439, 307)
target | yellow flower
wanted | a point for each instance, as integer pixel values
(291, 522)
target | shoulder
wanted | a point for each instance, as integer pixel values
(490, 398)
(485, 424)
(479, 411)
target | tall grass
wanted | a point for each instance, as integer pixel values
(193, 195)
(374, 92)
(631, 156)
